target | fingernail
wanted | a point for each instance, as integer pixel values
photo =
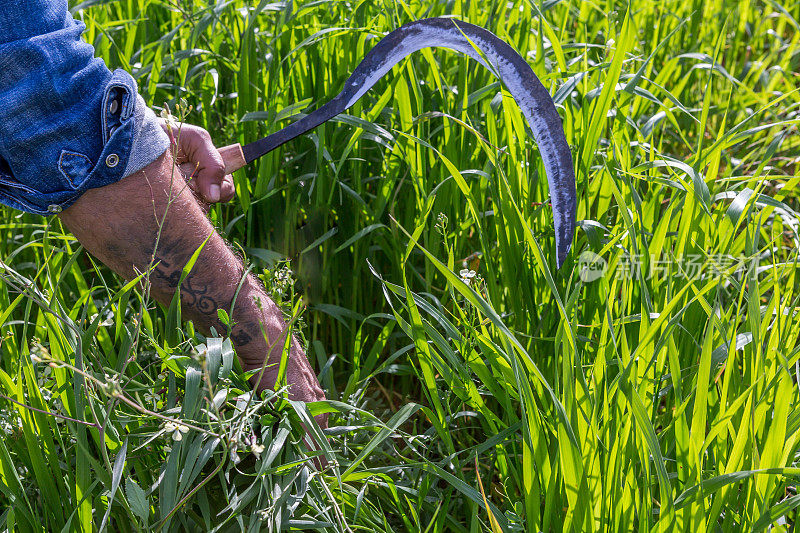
(213, 193)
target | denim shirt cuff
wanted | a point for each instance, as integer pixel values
(130, 137)
(149, 140)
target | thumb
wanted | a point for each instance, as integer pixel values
(209, 175)
(208, 166)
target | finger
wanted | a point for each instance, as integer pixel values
(187, 171)
(228, 190)
(313, 445)
(322, 420)
(199, 149)
(320, 461)
(313, 393)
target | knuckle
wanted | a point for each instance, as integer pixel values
(217, 170)
(190, 131)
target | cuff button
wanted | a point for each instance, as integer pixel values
(114, 107)
(112, 160)
(54, 208)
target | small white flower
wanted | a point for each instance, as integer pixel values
(467, 275)
(106, 322)
(112, 385)
(257, 449)
(177, 430)
(38, 353)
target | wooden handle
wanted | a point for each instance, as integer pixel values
(233, 157)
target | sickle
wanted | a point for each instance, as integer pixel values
(533, 99)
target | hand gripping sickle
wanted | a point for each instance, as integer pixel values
(533, 99)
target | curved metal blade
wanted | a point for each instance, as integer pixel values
(533, 99)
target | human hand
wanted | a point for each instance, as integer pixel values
(303, 386)
(300, 377)
(200, 162)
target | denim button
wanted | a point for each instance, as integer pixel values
(113, 107)
(112, 160)
(54, 208)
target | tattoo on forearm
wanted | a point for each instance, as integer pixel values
(197, 297)
(199, 300)
(240, 337)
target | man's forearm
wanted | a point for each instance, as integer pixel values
(121, 225)
(203, 293)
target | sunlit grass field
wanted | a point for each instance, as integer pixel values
(650, 384)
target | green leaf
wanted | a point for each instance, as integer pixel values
(137, 499)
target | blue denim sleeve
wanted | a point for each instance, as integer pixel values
(67, 123)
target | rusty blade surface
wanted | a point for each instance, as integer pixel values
(480, 44)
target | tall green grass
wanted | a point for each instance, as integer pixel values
(660, 396)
